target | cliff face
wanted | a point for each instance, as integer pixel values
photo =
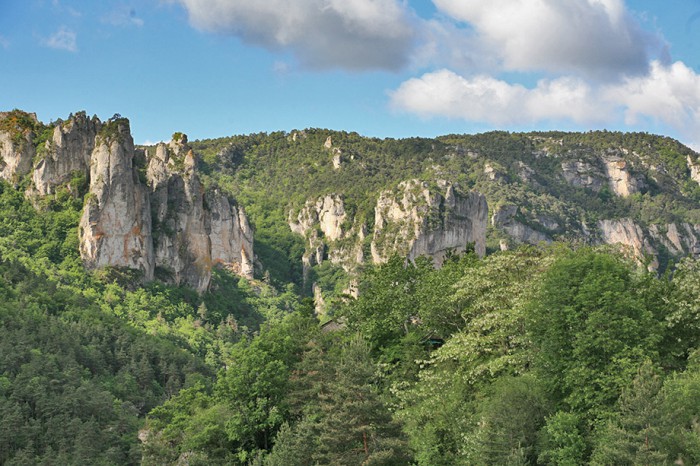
(413, 221)
(646, 245)
(147, 212)
(596, 171)
(416, 221)
(194, 231)
(330, 233)
(115, 229)
(69, 151)
(16, 155)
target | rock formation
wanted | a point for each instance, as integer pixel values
(150, 214)
(115, 229)
(646, 244)
(416, 221)
(68, 152)
(620, 180)
(16, 154)
(194, 230)
(694, 167)
(504, 218)
(324, 222)
(582, 174)
(597, 170)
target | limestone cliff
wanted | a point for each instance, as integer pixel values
(646, 244)
(415, 220)
(194, 230)
(16, 154)
(66, 153)
(412, 221)
(330, 233)
(505, 219)
(597, 170)
(115, 229)
(149, 214)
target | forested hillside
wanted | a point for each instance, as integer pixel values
(552, 345)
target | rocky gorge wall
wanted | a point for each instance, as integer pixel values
(413, 220)
(143, 211)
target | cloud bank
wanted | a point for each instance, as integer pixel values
(595, 38)
(322, 34)
(668, 95)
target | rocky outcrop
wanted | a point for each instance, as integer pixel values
(327, 213)
(582, 174)
(324, 222)
(16, 155)
(694, 167)
(154, 215)
(645, 244)
(194, 231)
(620, 179)
(68, 152)
(632, 238)
(678, 239)
(607, 169)
(415, 221)
(505, 219)
(115, 229)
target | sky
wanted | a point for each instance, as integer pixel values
(382, 68)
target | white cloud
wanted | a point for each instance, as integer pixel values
(347, 34)
(595, 38)
(669, 95)
(4, 43)
(63, 39)
(486, 99)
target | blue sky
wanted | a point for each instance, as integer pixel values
(387, 68)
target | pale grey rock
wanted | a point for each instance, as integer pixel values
(327, 213)
(323, 222)
(492, 172)
(681, 239)
(582, 174)
(67, 153)
(195, 231)
(337, 159)
(694, 168)
(504, 218)
(15, 159)
(620, 180)
(632, 237)
(319, 301)
(413, 221)
(115, 228)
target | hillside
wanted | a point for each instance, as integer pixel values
(155, 302)
(325, 188)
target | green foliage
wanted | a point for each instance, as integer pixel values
(562, 441)
(19, 125)
(592, 329)
(114, 129)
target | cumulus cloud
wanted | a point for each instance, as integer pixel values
(63, 39)
(486, 99)
(668, 95)
(595, 38)
(347, 34)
